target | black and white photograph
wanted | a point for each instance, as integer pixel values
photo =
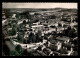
(39, 29)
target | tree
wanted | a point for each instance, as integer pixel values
(18, 48)
(7, 12)
(27, 15)
(37, 37)
(13, 31)
(63, 51)
(20, 38)
(31, 36)
(25, 52)
(52, 17)
(24, 22)
(25, 41)
(71, 33)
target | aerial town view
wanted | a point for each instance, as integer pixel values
(36, 31)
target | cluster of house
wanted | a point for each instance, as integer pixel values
(41, 37)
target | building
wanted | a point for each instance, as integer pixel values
(59, 45)
(37, 27)
(63, 39)
(14, 16)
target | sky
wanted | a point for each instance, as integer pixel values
(39, 5)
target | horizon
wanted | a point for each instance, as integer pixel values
(40, 5)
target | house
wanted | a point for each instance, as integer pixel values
(14, 16)
(59, 45)
(63, 39)
(70, 52)
(37, 27)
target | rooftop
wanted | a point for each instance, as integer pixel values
(63, 38)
